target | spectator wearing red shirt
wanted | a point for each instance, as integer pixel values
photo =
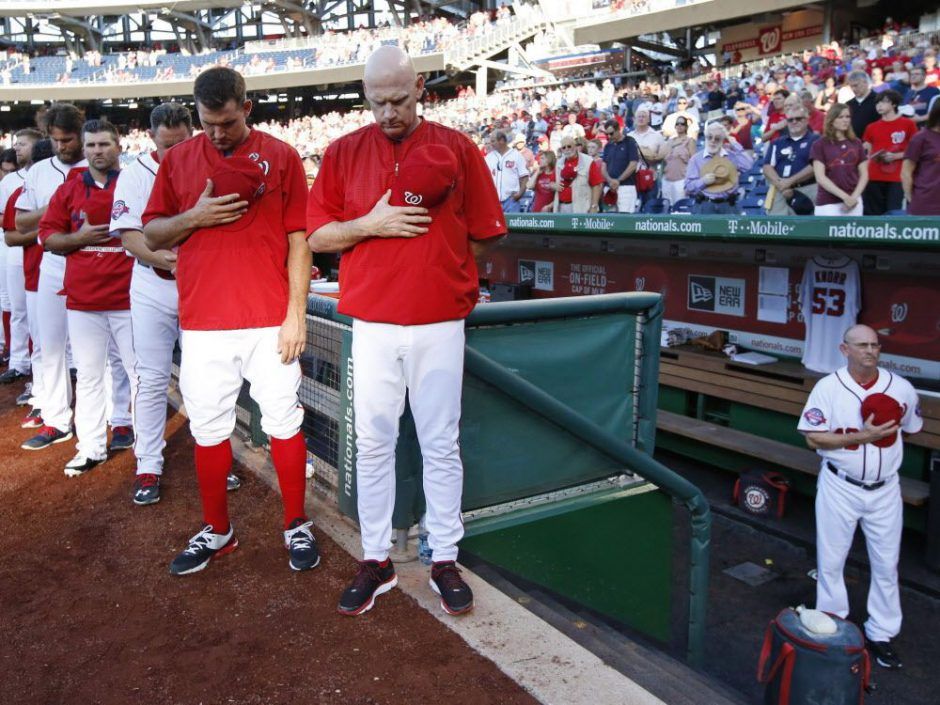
(243, 272)
(817, 118)
(542, 182)
(776, 117)
(886, 141)
(97, 284)
(920, 171)
(408, 278)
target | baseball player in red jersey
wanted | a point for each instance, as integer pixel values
(154, 301)
(243, 270)
(97, 281)
(408, 278)
(858, 482)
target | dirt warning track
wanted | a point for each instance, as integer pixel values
(90, 614)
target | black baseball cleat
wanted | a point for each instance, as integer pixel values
(232, 482)
(26, 396)
(202, 548)
(301, 544)
(46, 437)
(11, 376)
(122, 438)
(456, 596)
(372, 579)
(146, 489)
(884, 655)
(79, 465)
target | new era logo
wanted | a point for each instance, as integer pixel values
(699, 294)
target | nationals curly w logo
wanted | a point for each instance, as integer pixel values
(898, 312)
(413, 199)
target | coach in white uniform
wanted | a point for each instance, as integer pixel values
(154, 300)
(19, 367)
(858, 484)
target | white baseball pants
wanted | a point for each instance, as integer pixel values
(214, 364)
(92, 333)
(53, 332)
(156, 329)
(35, 358)
(19, 326)
(840, 507)
(425, 361)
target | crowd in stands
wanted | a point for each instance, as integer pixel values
(330, 49)
(831, 131)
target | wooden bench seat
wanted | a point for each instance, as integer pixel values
(773, 453)
(781, 386)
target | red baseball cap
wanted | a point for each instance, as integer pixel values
(426, 177)
(97, 208)
(885, 408)
(242, 176)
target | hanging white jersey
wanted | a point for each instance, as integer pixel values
(830, 299)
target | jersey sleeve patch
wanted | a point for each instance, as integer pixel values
(814, 417)
(118, 209)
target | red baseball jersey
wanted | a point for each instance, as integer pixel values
(97, 277)
(232, 279)
(32, 254)
(406, 281)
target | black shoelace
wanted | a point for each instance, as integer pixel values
(448, 577)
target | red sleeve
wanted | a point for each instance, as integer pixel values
(481, 207)
(294, 189)
(327, 198)
(595, 176)
(869, 134)
(57, 218)
(163, 201)
(9, 213)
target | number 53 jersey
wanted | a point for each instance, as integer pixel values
(830, 299)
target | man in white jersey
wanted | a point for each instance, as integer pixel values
(64, 124)
(858, 483)
(19, 367)
(154, 301)
(830, 299)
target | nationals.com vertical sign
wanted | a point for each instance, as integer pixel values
(770, 39)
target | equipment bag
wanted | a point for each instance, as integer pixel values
(799, 666)
(762, 493)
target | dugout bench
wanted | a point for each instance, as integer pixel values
(741, 417)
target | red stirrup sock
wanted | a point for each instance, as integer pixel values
(6, 333)
(213, 464)
(290, 461)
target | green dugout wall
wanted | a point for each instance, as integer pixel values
(557, 431)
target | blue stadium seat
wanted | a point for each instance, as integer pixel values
(683, 205)
(657, 206)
